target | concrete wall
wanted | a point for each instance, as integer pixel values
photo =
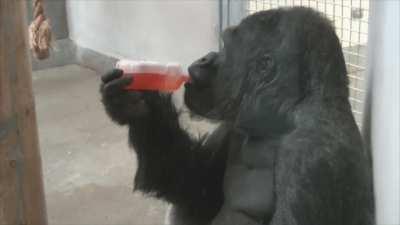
(383, 107)
(169, 30)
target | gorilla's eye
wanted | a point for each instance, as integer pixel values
(266, 67)
(263, 69)
(234, 30)
(266, 62)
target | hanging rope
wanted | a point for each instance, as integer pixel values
(40, 31)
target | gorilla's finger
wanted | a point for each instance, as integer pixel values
(117, 85)
(134, 96)
(111, 75)
(139, 108)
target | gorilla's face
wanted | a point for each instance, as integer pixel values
(262, 71)
(233, 81)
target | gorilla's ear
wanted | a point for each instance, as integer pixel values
(324, 68)
(254, 111)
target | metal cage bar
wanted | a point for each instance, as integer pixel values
(350, 18)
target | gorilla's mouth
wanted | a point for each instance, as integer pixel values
(203, 102)
(198, 98)
(196, 82)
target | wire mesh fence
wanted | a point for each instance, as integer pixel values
(350, 18)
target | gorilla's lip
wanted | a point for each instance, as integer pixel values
(194, 89)
(188, 84)
(196, 81)
(196, 93)
(192, 83)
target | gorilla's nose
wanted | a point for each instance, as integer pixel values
(203, 69)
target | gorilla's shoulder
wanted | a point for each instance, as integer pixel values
(321, 142)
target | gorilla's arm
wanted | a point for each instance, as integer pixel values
(172, 165)
(233, 217)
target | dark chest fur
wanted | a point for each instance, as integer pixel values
(249, 176)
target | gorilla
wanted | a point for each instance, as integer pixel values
(287, 150)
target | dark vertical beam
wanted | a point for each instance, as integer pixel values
(21, 187)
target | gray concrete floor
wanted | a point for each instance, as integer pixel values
(88, 167)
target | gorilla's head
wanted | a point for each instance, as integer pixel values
(271, 63)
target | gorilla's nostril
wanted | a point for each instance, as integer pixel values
(208, 59)
(204, 61)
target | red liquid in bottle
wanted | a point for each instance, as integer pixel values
(156, 82)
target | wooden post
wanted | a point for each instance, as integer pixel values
(21, 186)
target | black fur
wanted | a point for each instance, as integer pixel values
(288, 151)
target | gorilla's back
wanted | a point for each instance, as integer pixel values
(324, 175)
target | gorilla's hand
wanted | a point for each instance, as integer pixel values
(121, 105)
